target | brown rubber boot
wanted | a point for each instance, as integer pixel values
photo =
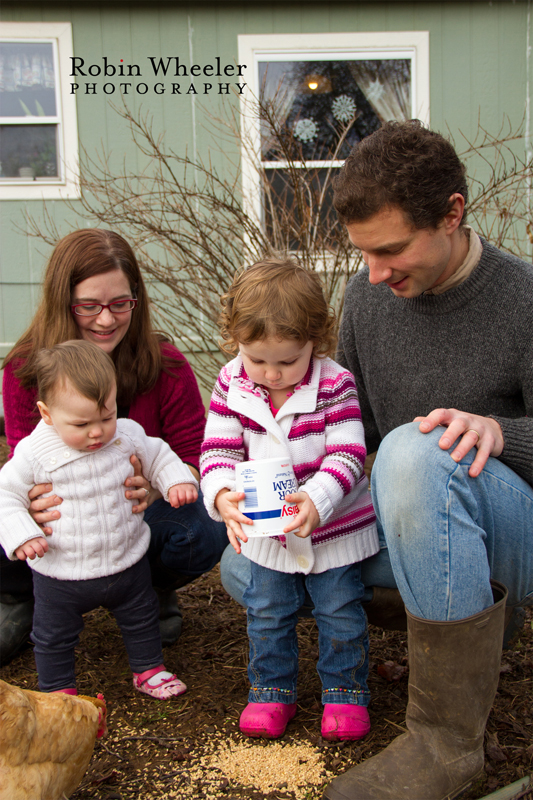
(453, 676)
(16, 617)
(386, 609)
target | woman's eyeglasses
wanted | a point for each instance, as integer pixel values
(93, 309)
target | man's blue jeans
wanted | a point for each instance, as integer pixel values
(273, 599)
(443, 534)
(447, 533)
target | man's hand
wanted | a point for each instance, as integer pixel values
(307, 518)
(476, 431)
(181, 494)
(227, 504)
(32, 548)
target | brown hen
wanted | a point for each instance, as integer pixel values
(46, 742)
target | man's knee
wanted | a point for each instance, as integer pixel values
(410, 468)
(409, 452)
(407, 444)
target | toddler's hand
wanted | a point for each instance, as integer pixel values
(181, 494)
(32, 548)
(227, 504)
(307, 518)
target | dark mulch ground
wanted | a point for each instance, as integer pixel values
(157, 749)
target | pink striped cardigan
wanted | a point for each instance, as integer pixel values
(319, 427)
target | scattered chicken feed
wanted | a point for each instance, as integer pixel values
(292, 767)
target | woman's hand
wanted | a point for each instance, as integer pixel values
(307, 518)
(32, 548)
(227, 504)
(141, 489)
(41, 509)
(476, 431)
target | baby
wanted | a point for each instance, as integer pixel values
(96, 554)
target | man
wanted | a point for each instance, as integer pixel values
(438, 328)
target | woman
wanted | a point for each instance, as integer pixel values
(93, 290)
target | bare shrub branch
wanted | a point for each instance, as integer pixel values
(188, 225)
(500, 175)
(191, 227)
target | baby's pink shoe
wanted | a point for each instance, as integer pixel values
(157, 682)
(342, 721)
(268, 720)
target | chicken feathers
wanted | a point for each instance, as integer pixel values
(46, 742)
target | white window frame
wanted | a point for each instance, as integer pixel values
(255, 48)
(66, 185)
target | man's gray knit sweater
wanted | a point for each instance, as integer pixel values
(470, 348)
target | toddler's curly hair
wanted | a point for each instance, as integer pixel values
(277, 297)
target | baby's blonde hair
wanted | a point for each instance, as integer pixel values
(277, 298)
(83, 365)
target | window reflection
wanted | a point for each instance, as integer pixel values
(28, 151)
(313, 103)
(27, 81)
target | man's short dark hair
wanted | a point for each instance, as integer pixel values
(402, 164)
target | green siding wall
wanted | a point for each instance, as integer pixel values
(478, 70)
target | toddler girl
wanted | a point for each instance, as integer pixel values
(96, 554)
(281, 396)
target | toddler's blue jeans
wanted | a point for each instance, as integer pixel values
(273, 599)
(58, 621)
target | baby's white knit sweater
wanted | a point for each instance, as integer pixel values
(97, 533)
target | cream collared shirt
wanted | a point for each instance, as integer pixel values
(475, 248)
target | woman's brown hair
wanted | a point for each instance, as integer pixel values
(80, 255)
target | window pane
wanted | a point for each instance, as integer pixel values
(30, 148)
(27, 84)
(314, 101)
(296, 199)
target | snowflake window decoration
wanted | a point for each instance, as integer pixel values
(306, 130)
(375, 91)
(343, 108)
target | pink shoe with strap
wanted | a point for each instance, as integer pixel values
(344, 721)
(157, 682)
(268, 720)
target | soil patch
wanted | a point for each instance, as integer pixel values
(192, 748)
